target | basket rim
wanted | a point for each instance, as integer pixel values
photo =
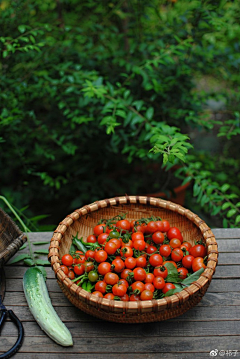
(138, 306)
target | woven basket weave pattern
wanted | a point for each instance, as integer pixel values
(82, 222)
(11, 238)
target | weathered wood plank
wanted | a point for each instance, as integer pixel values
(168, 328)
(112, 356)
(226, 232)
(144, 344)
(197, 313)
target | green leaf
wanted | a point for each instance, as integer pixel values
(226, 205)
(186, 180)
(40, 243)
(237, 220)
(225, 187)
(231, 212)
(19, 258)
(193, 277)
(178, 288)
(165, 158)
(29, 262)
(149, 113)
(41, 251)
(23, 246)
(42, 262)
(77, 242)
(173, 275)
(22, 28)
(196, 189)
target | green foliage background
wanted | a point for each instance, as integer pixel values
(91, 91)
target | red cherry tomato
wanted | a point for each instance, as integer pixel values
(126, 251)
(79, 269)
(117, 242)
(151, 227)
(89, 266)
(198, 263)
(159, 282)
(138, 286)
(151, 249)
(99, 229)
(64, 269)
(160, 271)
(124, 281)
(141, 261)
(71, 274)
(187, 261)
(167, 287)
(118, 265)
(139, 273)
(90, 254)
(80, 259)
(91, 239)
(149, 286)
(158, 237)
(182, 272)
(137, 235)
(166, 225)
(125, 298)
(102, 238)
(134, 298)
(155, 260)
(126, 273)
(139, 244)
(175, 243)
(101, 286)
(187, 244)
(146, 295)
(149, 278)
(110, 248)
(159, 225)
(67, 260)
(198, 251)
(104, 268)
(111, 278)
(101, 256)
(119, 289)
(130, 262)
(174, 232)
(124, 225)
(177, 254)
(165, 250)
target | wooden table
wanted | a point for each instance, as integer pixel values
(213, 324)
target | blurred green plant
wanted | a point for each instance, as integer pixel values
(89, 89)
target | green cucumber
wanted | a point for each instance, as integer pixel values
(40, 305)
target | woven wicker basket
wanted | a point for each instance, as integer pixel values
(11, 238)
(84, 219)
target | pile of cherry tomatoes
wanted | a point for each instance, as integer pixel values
(127, 261)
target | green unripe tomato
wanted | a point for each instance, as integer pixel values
(114, 234)
(93, 276)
